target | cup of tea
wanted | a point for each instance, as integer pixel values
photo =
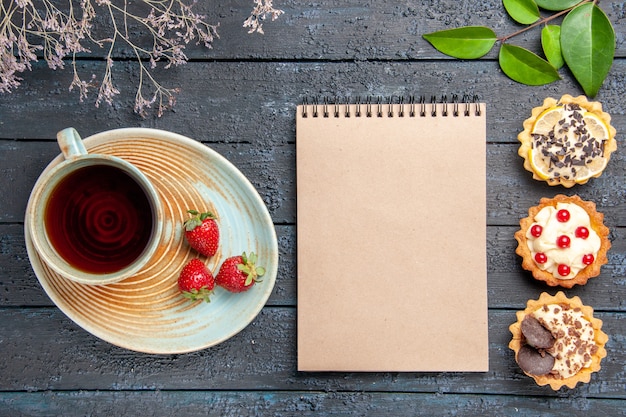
(93, 218)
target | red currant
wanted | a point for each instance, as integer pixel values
(541, 258)
(562, 215)
(563, 241)
(536, 230)
(582, 232)
(588, 259)
(564, 270)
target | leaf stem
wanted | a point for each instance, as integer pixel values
(544, 20)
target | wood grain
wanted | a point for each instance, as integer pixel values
(349, 29)
(254, 102)
(272, 171)
(262, 356)
(239, 98)
(300, 403)
(508, 285)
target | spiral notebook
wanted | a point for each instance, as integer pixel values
(391, 235)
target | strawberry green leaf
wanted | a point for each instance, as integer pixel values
(249, 280)
(556, 5)
(207, 215)
(468, 42)
(522, 11)
(588, 46)
(525, 67)
(192, 223)
(551, 44)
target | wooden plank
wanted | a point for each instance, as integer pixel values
(21, 164)
(20, 287)
(240, 99)
(272, 171)
(18, 284)
(349, 29)
(345, 29)
(48, 352)
(255, 102)
(508, 285)
(300, 403)
(511, 190)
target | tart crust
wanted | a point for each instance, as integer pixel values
(526, 139)
(600, 338)
(597, 224)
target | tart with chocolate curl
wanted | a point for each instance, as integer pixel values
(557, 341)
(563, 241)
(568, 141)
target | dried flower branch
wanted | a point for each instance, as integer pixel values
(261, 10)
(62, 35)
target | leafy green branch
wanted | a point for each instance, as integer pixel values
(584, 42)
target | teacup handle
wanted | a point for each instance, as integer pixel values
(70, 143)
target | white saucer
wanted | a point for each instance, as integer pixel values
(146, 313)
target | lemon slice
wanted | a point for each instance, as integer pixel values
(538, 164)
(544, 124)
(547, 120)
(591, 169)
(599, 130)
(596, 126)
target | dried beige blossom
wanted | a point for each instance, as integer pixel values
(262, 9)
(33, 28)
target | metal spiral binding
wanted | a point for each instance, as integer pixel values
(380, 107)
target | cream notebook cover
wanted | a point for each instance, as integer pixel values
(391, 226)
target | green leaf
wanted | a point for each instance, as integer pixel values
(468, 42)
(551, 44)
(556, 4)
(243, 268)
(522, 11)
(588, 46)
(523, 66)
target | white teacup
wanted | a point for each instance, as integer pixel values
(93, 218)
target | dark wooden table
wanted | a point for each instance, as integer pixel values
(239, 99)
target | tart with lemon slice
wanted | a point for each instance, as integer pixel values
(563, 241)
(557, 341)
(568, 141)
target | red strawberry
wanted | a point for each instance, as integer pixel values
(239, 273)
(202, 232)
(196, 282)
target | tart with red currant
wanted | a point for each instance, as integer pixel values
(557, 341)
(563, 241)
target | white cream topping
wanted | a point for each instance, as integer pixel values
(574, 334)
(552, 229)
